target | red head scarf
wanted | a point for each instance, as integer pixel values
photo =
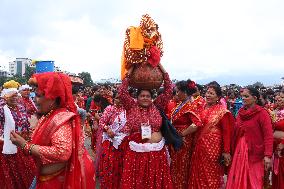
(56, 85)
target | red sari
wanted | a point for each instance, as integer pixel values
(182, 116)
(212, 140)
(278, 171)
(52, 135)
(147, 169)
(60, 139)
(110, 151)
(253, 141)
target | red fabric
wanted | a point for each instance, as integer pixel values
(94, 107)
(110, 166)
(155, 56)
(17, 170)
(278, 180)
(171, 105)
(145, 169)
(206, 170)
(79, 164)
(108, 158)
(243, 173)
(278, 174)
(137, 115)
(81, 102)
(29, 105)
(180, 160)
(279, 125)
(255, 124)
(53, 85)
(60, 139)
(57, 85)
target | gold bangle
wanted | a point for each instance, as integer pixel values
(23, 146)
(30, 150)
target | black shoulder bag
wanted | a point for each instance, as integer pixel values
(170, 133)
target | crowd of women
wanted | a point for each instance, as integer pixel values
(220, 149)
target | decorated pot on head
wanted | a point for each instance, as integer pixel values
(143, 49)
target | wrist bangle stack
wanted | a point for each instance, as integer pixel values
(23, 146)
(26, 148)
(30, 149)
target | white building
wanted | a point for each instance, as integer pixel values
(18, 66)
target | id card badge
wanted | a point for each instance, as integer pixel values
(146, 131)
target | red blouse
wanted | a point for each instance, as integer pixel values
(60, 148)
(137, 115)
(225, 125)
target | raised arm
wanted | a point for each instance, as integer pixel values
(124, 96)
(163, 99)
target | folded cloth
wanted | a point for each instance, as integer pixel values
(8, 147)
(136, 38)
(147, 147)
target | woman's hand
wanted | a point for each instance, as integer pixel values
(110, 133)
(227, 158)
(130, 70)
(162, 68)
(267, 163)
(280, 146)
(17, 139)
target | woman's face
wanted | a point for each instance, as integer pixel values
(180, 95)
(116, 100)
(25, 93)
(248, 99)
(12, 100)
(279, 101)
(211, 96)
(144, 99)
(43, 104)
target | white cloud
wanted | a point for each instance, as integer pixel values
(202, 39)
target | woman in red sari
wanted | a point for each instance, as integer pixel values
(110, 141)
(212, 143)
(278, 123)
(253, 144)
(145, 163)
(16, 169)
(57, 142)
(185, 119)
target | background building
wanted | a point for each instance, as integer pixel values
(18, 66)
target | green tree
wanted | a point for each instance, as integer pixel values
(86, 76)
(29, 72)
(2, 81)
(258, 84)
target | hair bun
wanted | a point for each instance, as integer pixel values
(191, 85)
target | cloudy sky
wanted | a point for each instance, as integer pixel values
(228, 41)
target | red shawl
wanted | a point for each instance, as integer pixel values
(57, 85)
